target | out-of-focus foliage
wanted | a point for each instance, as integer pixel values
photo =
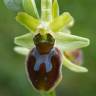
(15, 5)
(13, 80)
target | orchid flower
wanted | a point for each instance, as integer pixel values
(49, 34)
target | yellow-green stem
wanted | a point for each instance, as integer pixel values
(48, 94)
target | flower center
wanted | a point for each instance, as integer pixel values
(44, 45)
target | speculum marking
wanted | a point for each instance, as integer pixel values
(43, 59)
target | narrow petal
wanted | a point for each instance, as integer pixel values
(30, 7)
(55, 9)
(28, 21)
(70, 42)
(64, 20)
(73, 67)
(21, 50)
(25, 40)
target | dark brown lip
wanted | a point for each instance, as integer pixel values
(42, 80)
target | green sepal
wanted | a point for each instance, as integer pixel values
(46, 10)
(28, 21)
(73, 67)
(55, 9)
(25, 40)
(70, 42)
(21, 50)
(30, 7)
(64, 20)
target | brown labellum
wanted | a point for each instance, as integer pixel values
(44, 70)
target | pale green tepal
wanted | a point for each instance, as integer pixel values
(53, 23)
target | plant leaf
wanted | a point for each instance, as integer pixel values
(28, 21)
(15, 5)
(30, 7)
(64, 20)
(73, 67)
(70, 42)
(25, 40)
(21, 50)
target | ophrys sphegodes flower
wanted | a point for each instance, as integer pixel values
(48, 45)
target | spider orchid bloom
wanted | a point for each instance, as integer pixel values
(49, 45)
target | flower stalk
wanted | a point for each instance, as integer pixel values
(48, 94)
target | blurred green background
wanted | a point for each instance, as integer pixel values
(13, 81)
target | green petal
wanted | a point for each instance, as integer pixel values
(21, 50)
(73, 67)
(25, 40)
(28, 21)
(70, 42)
(64, 20)
(55, 9)
(30, 7)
